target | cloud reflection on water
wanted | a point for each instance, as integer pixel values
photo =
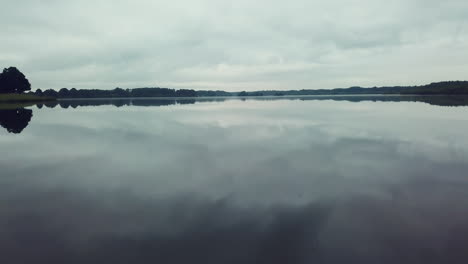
(237, 182)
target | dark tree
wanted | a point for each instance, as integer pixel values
(38, 92)
(50, 93)
(73, 92)
(15, 120)
(13, 81)
(64, 93)
(186, 93)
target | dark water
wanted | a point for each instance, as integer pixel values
(351, 180)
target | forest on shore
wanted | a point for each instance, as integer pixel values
(15, 86)
(440, 88)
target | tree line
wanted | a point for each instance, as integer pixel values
(440, 88)
(13, 81)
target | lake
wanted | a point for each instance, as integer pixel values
(225, 180)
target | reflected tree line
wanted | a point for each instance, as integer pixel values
(15, 120)
(65, 104)
(432, 100)
(436, 100)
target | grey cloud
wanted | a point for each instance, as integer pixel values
(263, 44)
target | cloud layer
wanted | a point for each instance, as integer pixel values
(241, 45)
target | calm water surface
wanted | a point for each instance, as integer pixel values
(234, 181)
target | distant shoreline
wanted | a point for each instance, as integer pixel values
(440, 88)
(451, 88)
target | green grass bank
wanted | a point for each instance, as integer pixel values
(21, 98)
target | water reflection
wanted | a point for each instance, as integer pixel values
(432, 100)
(15, 120)
(177, 231)
(270, 181)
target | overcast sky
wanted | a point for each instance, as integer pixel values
(234, 45)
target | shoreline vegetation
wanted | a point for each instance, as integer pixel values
(15, 88)
(440, 88)
(24, 98)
